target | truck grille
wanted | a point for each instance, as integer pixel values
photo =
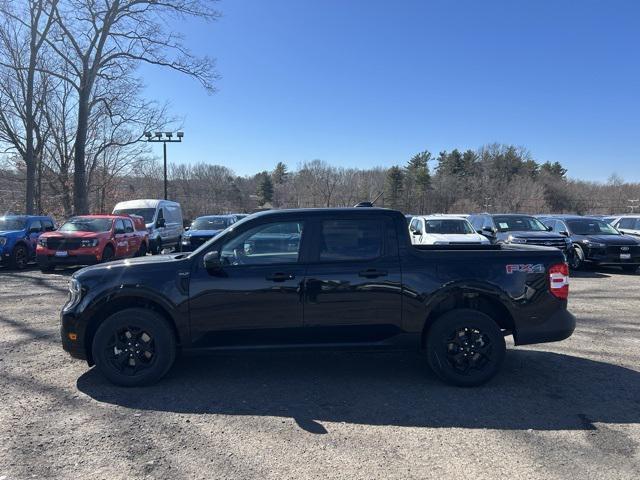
(197, 241)
(63, 243)
(618, 249)
(558, 243)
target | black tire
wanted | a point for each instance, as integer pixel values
(465, 347)
(142, 251)
(19, 258)
(576, 260)
(147, 347)
(157, 248)
(108, 253)
(630, 268)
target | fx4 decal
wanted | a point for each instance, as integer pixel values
(526, 268)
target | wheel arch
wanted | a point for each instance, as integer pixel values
(469, 298)
(108, 306)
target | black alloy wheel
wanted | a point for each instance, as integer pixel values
(19, 257)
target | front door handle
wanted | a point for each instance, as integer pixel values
(372, 273)
(280, 277)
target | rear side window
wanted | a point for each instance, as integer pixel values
(343, 240)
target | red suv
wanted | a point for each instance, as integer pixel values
(90, 239)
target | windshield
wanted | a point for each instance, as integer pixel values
(85, 224)
(588, 226)
(12, 223)
(210, 223)
(518, 224)
(448, 226)
(146, 213)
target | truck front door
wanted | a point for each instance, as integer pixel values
(353, 287)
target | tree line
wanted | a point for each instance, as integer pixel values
(71, 110)
(495, 178)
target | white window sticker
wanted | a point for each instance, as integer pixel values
(503, 225)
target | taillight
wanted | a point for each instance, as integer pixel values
(559, 280)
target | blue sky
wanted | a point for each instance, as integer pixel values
(366, 83)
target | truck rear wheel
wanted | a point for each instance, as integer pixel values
(19, 257)
(134, 347)
(465, 347)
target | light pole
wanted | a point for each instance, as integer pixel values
(168, 138)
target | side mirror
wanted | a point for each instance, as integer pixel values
(489, 230)
(479, 231)
(160, 223)
(186, 228)
(549, 228)
(212, 261)
(564, 232)
(417, 232)
(34, 230)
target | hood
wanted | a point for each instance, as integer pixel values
(102, 269)
(609, 239)
(530, 234)
(457, 237)
(202, 233)
(58, 234)
(11, 233)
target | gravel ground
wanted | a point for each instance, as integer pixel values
(570, 409)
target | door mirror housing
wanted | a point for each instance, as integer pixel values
(564, 232)
(417, 232)
(160, 223)
(211, 261)
(490, 230)
(549, 228)
(186, 228)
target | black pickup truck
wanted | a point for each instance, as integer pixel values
(351, 278)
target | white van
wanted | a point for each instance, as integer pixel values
(443, 230)
(163, 219)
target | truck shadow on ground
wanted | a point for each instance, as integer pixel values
(536, 390)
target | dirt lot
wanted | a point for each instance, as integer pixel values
(570, 409)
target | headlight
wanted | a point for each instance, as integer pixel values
(3, 241)
(513, 239)
(89, 242)
(75, 294)
(42, 242)
(595, 244)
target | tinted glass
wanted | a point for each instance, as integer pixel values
(630, 223)
(146, 213)
(48, 226)
(447, 226)
(211, 223)
(36, 225)
(518, 223)
(342, 240)
(84, 224)
(8, 223)
(128, 226)
(261, 246)
(588, 226)
(119, 226)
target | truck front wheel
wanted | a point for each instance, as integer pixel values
(465, 347)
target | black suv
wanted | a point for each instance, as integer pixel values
(596, 242)
(518, 229)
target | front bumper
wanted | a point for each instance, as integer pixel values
(48, 260)
(70, 325)
(557, 327)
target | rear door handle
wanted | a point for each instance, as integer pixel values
(280, 277)
(372, 273)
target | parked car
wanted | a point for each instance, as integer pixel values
(596, 242)
(343, 278)
(203, 229)
(518, 229)
(163, 219)
(443, 230)
(627, 224)
(19, 237)
(90, 239)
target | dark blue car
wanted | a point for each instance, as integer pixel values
(19, 238)
(204, 228)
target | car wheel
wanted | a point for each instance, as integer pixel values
(108, 254)
(465, 347)
(19, 257)
(630, 268)
(134, 347)
(158, 247)
(576, 262)
(142, 252)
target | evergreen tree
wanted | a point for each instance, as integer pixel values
(394, 187)
(265, 189)
(280, 174)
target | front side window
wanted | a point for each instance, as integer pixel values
(272, 243)
(48, 226)
(586, 226)
(344, 240)
(36, 226)
(630, 223)
(119, 226)
(128, 226)
(84, 224)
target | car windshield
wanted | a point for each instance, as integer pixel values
(448, 226)
(86, 224)
(146, 213)
(589, 226)
(211, 223)
(508, 223)
(8, 223)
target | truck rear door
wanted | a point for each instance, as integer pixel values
(353, 285)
